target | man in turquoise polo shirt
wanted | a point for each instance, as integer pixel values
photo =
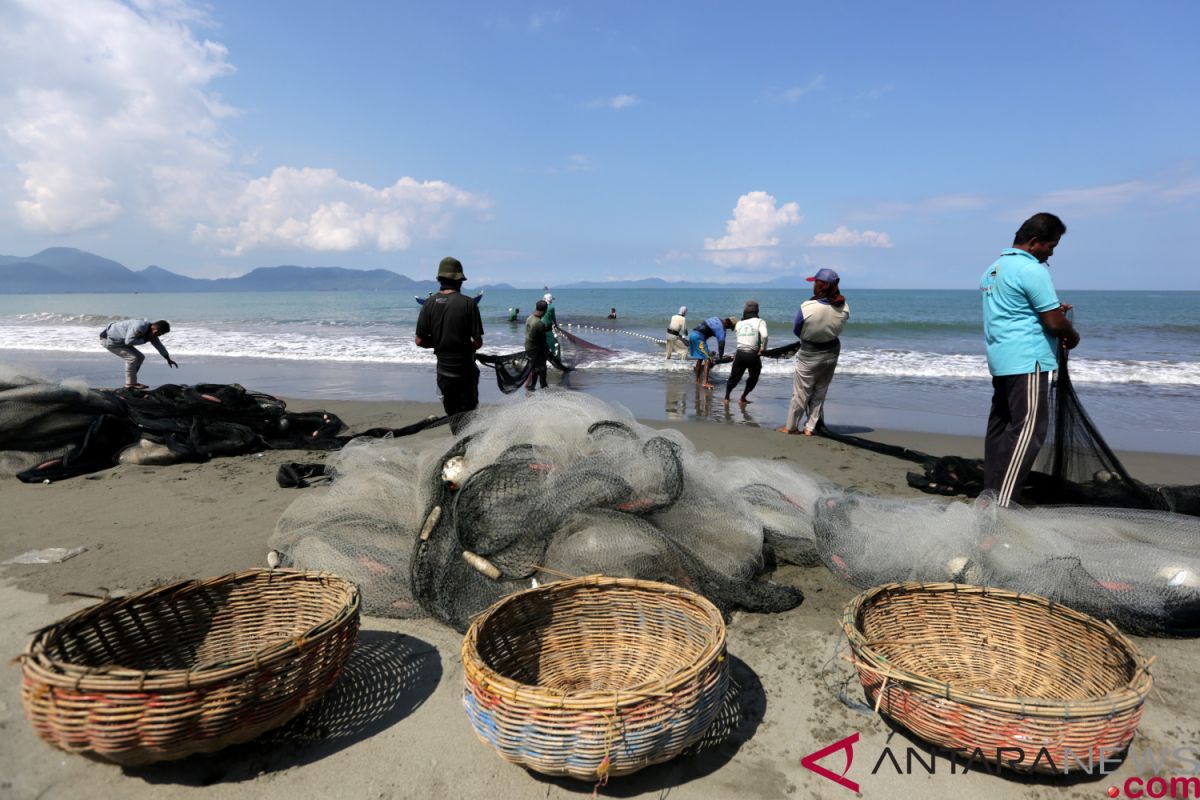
(1023, 324)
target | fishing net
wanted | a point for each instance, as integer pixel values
(562, 484)
(51, 431)
(1075, 467)
(513, 369)
(1140, 569)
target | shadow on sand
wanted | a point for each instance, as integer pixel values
(388, 677)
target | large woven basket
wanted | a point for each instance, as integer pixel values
(189, 668)
(595, 677)
(974, 670)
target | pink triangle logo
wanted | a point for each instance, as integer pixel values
(847, 744)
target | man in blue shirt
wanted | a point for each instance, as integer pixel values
(120, 338)
(698, 346)
(1023, 323)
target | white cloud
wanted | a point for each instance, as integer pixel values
(844, 237)
(540, 20)
(795, 93)
(316, 209)
(579, 163)
(108, 112)
(110, 117)
(750, 237)
(925, 207)
(615, 103)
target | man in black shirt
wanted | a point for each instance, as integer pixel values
(535, 346)
(449, 323)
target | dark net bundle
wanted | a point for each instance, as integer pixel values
(51, 431)
(560, 485)
(1075, 466)
(1140, 569)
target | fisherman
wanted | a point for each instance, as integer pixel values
(120, 338)
(551, 323)
(676, 333)
(612, 314)
(698, 346)
(514, 314)
(1023, 323)
(535, 346)
(449, 323)
(819, 323)
(751, 335)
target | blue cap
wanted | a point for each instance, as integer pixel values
(824, 274)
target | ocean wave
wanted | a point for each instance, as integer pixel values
(56, 318)
(382, 347)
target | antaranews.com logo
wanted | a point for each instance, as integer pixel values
(1182, 764)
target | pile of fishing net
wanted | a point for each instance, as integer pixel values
(1140, 569)
(560, 485)
(50, 431)
(1075, 467)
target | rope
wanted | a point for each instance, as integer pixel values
(614, 330)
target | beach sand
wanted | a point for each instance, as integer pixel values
(402, 731)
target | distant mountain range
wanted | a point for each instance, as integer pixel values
(65, 270)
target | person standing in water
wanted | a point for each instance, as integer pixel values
(819, 323)
(677, 333)
(120, 338)
(514, 314)
(751, 335)
(698, 346)
(535, 346)
(551, 323)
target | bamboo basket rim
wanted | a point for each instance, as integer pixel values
(115, 678)
(511, 690)
(1125, 698)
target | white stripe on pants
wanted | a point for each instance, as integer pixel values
(814, 372)
(132, 357)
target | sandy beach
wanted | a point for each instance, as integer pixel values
(395, 728)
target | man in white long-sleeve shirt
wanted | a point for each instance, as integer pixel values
(120, 338)
(677, 334)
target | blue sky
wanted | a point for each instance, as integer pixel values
(543, 143)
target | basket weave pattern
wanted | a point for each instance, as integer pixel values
(192, 667)
(975, 669)
(595, 677)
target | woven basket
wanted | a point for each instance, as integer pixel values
(595, 677)
(189, 668)
(973, 669)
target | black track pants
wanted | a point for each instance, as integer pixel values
(744, 361)
(1015, 432)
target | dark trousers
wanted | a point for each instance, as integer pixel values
(744, 361)
(460, 392)
(1016, 431)
(538, 359)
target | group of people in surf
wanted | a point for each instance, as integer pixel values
(818, 325)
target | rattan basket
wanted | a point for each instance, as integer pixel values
(189, 668)
(974, 670)
(595, 677)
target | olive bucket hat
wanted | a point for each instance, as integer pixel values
(451, 268)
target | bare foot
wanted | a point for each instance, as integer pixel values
(807, 432)
(790, 432)
(744, 401)
(726, 401)
(707, 386)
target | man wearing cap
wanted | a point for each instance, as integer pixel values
(751, 334)
(535, 346)
(819, 323)
(449, 323)
(677, 333)
(1023, 325)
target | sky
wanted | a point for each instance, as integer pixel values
(543, 143)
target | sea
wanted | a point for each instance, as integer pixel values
(911, 360)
